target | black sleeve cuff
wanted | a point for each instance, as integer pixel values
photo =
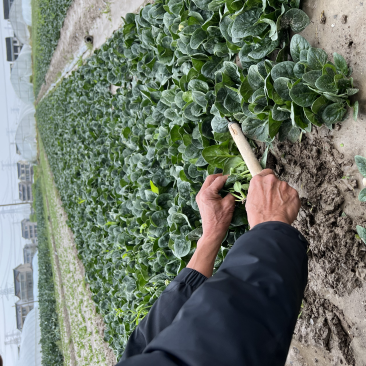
(190, 277)
(283, 228)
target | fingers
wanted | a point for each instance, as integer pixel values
(218, 183)
(265, 172)
(209, 180)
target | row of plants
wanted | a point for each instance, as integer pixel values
(47, 20)
(129, 165)
(50, 331)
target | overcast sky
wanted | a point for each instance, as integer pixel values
(11, 241)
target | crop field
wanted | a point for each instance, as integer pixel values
(131, 135)
(47, 19)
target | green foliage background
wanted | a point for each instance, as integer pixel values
(128, 166)
(50, 332)
(47, 20)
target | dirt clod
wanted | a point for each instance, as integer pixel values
(323, 19)
(344, 19)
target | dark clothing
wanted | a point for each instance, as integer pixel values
(243, 315)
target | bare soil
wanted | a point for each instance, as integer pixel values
(332, 327)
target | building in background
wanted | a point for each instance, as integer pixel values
(23, 288)
(13, 48)
(29, 229)
(29, 250)
(7, 5)
(25, 191)
(25, 171)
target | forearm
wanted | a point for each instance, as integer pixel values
(163, 311)
(247, 312)
(203, 259)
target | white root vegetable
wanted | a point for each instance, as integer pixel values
(364, 182)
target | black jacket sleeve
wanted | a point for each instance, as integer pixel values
(246, 313)
(163, 311)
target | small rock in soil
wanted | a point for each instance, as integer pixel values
(344, 19)
(323, 19)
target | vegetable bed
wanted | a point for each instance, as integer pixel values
(129, 165)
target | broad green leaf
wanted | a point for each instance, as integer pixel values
(273, 126)
(154, 188)
(232, 163)
(361, 164)
(244, 21)
(319, 104)
(198, 37)
(296, 19)
(361, 232)
(311, 77)
(316, 58)
(341, 64)
(298, 44)
(362, 195)
(312, 117)
(284, 69)
(302, 95)
(281, 87)
(297, 117)
(334, 113)
(218, 155)
(255, 128)
(255, 79)
(326, 84)
(219, 124)
(159, 218)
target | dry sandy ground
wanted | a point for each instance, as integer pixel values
(97, 18)
(332, 330)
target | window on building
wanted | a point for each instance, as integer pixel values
(31, 231)
(29, 198)
(26, 234)
(13, 48)
(7, 5)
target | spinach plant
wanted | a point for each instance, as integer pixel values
(290, 96)
(361, 165)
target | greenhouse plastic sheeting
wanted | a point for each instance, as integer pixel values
(35, 277)
(20, 76)
(30, 348)
(19, 25)
(27, 12)
(25, 137)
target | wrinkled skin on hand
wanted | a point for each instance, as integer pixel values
(270, 199)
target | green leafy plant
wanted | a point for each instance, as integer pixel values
(288, 97)
(50, 330)
(361, 165)
(47, 20)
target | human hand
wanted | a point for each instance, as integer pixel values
(270, 199)
(216, 213)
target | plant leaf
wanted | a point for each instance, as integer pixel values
(333, 113)
(298, 44)
(302, 95)
(361, 164)
(361, 232)
(316, 58)
(296, 19)
(362, 195)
